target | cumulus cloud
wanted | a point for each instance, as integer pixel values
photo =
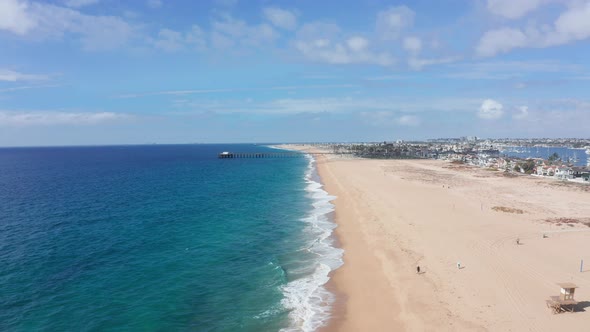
(392, 21)
(413, 44)
(19, 119)
(169, 40)
(324, 42)
(571, 25)
(14, 76)
(500, 41)
(172, 41)
(228, 31)
(14, 17)
(513, 8)
(522, 112)
(490, 109)
(41, 20)
(357, 44)
(281, 18)
(80, 3)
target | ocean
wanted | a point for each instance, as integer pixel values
(162, 238)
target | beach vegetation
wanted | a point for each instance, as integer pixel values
(554, 157)
(527, 166)
(507, 209)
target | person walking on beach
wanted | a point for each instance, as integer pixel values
(418, 269)
(459, 265)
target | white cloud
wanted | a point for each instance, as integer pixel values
(19, 119)
(221, 41)
(13, 76)
(172, 41)
(281, 18)
(413, 44)
(500, 41)
(490, 109)
(324, 42)
(228, 31)
(409, 120)
(523, 112)
(40, 20)
(80, 3)
(392, 21)
(357, 44)
(513, 8)
(572, 25)
(154, 4)
(169, 40)
(14, 17)
(418, 64)
(196, 37)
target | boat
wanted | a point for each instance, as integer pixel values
(575, 158)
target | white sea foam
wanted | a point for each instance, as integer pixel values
(307, 298)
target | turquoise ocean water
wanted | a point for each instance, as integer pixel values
(162, 238)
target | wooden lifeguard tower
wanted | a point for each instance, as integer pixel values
(565, 301)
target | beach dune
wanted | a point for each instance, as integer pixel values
(395, 215)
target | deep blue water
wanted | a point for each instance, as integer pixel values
(154, 238)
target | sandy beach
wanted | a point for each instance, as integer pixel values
(395, 215)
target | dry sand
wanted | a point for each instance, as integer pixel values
(393, 215)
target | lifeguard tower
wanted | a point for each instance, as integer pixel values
(565, 301)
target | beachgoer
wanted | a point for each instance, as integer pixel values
(517, 241)
(418, 269)
(459, 265)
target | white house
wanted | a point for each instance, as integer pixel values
(564, 172)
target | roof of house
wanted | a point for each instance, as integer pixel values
(567, 285)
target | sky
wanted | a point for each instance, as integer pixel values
(92, 72)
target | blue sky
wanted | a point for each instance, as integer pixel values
(130, 72)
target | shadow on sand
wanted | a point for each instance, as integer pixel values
(581, 306)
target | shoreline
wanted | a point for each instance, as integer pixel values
(309, 299)
(393, 215)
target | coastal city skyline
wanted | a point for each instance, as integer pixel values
(99, 72)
